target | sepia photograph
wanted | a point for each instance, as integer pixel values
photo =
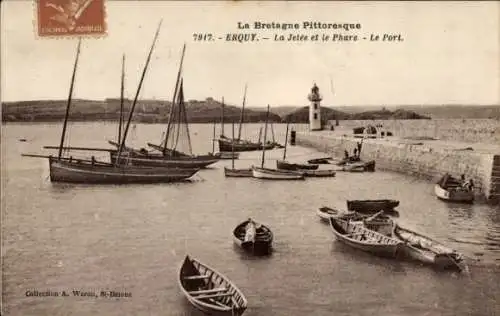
(250, 158)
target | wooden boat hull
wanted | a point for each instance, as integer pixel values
(320, 161)
(359, 166)
(271, 174)
(453, 195)
(164, 161)
(241, 146)
(351, 234)
(74, 172)
(284, 165)
(227, 155)
(210, 291)
(238, 173)
(318, 173)
(426, 250)
(262, 245)
(372, 206)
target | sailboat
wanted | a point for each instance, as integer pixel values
(238, 144)
(273, 174)
(224, 154)
(67, 169)
(166, 156)
(240, 173)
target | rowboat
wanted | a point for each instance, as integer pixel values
(285, 165)
(450, 189)
(427, 250)
(325, 213)
(273, 174)
(82, 171)
(238, 173)
(371, 206)
(258, 242)
(210, 291)
(357, 236)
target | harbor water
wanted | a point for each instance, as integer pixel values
(132, 238)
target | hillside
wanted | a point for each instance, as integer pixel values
(147, 111)
(302, 115)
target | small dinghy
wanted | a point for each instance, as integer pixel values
(325, 213)
(357, 236)
(253, 237)
(428, 251)
(209, 290)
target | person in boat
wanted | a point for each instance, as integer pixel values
(346, 154)
(468, 185)
(250, 230)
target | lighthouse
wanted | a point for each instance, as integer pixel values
(315, 109)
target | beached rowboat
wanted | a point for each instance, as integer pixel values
(273, 174)
(285, 165)
(210, 291)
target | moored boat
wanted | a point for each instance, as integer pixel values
(372, 206)
(285, 165)
(322, 173)
(82, 171)
(325, 161)
(210, 291)
(238, 173)
(273, 174)
(426, 250)
(253, 237)
(357, 236)
(132, 158)
(450, 189)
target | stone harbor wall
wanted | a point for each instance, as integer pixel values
(470, 130)
(414, 158)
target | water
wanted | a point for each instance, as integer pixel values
(133, 238)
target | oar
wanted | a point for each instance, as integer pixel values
(374, 216)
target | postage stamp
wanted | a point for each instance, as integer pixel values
(70, 17)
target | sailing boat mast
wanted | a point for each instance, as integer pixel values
(265, 135)
(122, 144)
(169, 124)
(242, 112)
(286, 140)
(182, 116)
(232, 147)
(222, 118)
(63, 135)
(120, 123)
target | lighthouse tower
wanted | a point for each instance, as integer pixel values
(314, 109)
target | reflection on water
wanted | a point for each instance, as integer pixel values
(134, 237)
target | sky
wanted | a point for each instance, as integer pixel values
(449, 53)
